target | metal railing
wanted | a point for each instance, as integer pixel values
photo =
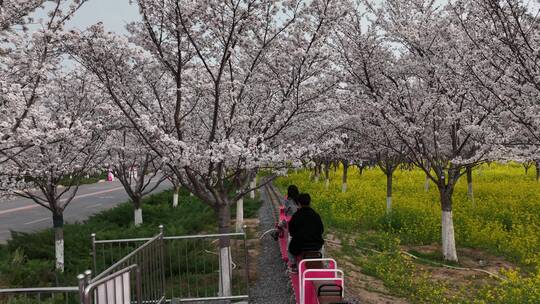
(191, 265)
(167, 269)
(194, 267)
(53, 295)
(116, 288)
(119, 284)
(150, 257)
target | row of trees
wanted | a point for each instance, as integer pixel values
(56, 126)
(444, 88)
(201, 91)
(211, 92)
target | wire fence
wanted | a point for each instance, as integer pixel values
(191, 265)
(121, 287)
(149, 256)
(49, 295)
(153, 270)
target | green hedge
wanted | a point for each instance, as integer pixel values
(27, 260)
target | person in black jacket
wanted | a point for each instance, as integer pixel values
(305, 228)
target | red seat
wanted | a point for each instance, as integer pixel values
(320, 281)
(328, 292)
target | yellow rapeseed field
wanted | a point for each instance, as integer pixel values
(503, 219)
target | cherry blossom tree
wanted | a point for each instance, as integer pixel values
(171, 177)
(66, 134)
(412, 68)
(345, 154)
(32, 152)
(27, 58)
(505, 36)
(378, 145)
(137, 168)
(389, 160)
(211, 87)
(15, 12)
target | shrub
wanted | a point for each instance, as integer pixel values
(27, 260)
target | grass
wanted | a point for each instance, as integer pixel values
(503, 220)
(435, 257)
(27, 260)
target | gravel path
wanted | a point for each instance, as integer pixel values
(272, 285)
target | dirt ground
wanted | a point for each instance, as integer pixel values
(361, 287)
(367, 289)
(253, 245)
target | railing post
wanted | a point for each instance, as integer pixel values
(138, 280)
(87, 280)
(162, 261)
(82, 286)
(93, 238)
(88, 276)
(246, 252)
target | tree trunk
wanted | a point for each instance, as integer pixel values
(239, 215)
(137, 213)
(317, 171)
(344, 181)
(470, 193)
(361, 169)
(389, 174)
(175, 196)
(252, 185)
(537, 166)
(58, 224)
(225, 269)
(327, 175)
(427, 182)
(448, 237)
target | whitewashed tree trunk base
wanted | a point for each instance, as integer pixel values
(426, 184)
(239, 215)
(225, 272)
(252, 185)
(388, 204)
(344, 187)
(448, 237)
(470, 192)
(59, 253)
(138, 216)
(175, 200)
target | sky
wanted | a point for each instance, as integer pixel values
(114, 14)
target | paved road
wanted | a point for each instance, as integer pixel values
(24, 215)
